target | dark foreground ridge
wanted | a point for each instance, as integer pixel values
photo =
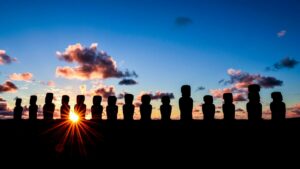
(150, 142)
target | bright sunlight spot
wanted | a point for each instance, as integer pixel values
(74, 117)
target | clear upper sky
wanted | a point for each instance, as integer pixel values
(167, 43)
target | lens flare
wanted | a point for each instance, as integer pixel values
(74, 117)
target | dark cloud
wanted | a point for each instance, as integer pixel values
(239, 81)
(157, 95)
(105, 91)
(91, 64)
(221, 81)
(8, 87)
(287, 62)
(200, 88)
(5, 59)
(183, 21)
(128, 82)
(2, 100)
(243, 79)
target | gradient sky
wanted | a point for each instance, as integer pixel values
(167, 43)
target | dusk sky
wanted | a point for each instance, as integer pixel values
(150, 46)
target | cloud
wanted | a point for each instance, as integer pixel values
(286, 62)
(3, 104)
(295, 108)
(239, 81)
(5, 59)
(8, 87)
(200, 88)
(183, 21)
(21, 76)
(105, 91)
(240, 110)
(91, 64)
(51, 83)
(239, 97)
(128, 82)
(157, 95)
(243, 79)
(82, 89)
(281, 33)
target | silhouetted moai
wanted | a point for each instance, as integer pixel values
(112, 108)
(97, 109)
(65, 107)
(33, 108)
(165, 108)
(146, 108)
(228, 107)
(208, 108)
(18, 110)
(254, 107)
(186, 103)
(128, 107)
(278, 108)
(49, 107)
(80, 107)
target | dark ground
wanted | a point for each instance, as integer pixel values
(154, 142)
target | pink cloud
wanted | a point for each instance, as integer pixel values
(281, 33)
(218, 93)
(51, 83)
(91, 64)
(21, 76)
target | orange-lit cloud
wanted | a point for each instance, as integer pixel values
(5, 59)
(295, 109)
(8, 87)
(21, 76)
(91, 64)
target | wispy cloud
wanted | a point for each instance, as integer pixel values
(8, 87)
(286, 62)
(182, 21)
(281, 33)
(91, 64)
(200, 88)
(21, 76)
(5, 59)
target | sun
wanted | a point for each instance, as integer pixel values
(74, 117)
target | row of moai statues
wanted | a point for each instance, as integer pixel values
(254, 107)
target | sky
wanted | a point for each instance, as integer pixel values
(150, 47)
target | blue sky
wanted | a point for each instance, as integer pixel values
(144, 36)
